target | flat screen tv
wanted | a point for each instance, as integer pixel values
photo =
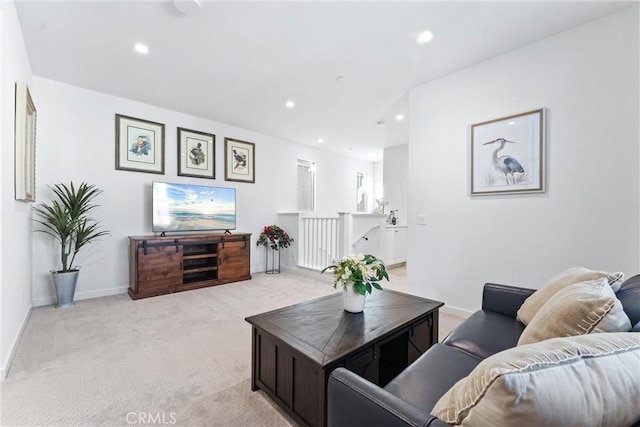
(188, 207)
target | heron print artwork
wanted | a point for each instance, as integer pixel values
(507, 154)
(239, 160)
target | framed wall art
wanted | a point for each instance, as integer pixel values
(139, 145)
(239, 160)
(196, 154)
(25, 145)
(508, 155)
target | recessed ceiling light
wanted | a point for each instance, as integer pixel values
(188, 7)
(320, 140)
(399, 117)
(141, 48)
(424, 37)
(290, 104)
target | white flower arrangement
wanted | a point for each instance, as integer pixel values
(381, 205)
(362, 271)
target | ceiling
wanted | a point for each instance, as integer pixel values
(239, 62)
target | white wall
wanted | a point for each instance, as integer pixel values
(76, 134)
(15, 225)
(378, 184)
(587, 79)
(3, 154)
(395, 181)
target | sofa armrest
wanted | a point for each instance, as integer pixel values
(504, 299)
(354, 401)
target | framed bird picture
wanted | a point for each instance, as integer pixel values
(139, 145)
(196, 154)
(239, 160)
(508, 155)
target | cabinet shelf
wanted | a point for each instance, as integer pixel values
(198, 276)
(200, 249)
(198, 270)
(200, 263)
(161, 265)
(185, 256)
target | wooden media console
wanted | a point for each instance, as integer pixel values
(161, 265)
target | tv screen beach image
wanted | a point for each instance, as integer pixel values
(185, 207)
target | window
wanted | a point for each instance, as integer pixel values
(306, 185)
(362, 198)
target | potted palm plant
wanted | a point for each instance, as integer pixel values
(67, 219)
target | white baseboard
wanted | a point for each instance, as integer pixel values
(315, 274)
(51, 299)
(455, 311)
(48, 300)
(4, 371)
(397, 265)
(102, 293)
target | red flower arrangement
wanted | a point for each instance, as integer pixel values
(274, 237)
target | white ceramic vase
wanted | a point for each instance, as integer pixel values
(353, 302)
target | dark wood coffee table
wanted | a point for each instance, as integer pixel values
(294, 349)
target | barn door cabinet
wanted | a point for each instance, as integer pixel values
(162, 265)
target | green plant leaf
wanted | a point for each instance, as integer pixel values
(360, 288)
(66, 219)
(334, 267)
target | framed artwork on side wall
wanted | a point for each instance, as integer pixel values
(508, 155)
(239, 160)
(25, 145)
(196, 154)
(139, 145)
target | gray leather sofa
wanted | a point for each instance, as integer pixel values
(409, 398)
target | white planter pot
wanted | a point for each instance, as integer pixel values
(353, 302)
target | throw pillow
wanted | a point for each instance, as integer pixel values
(578, 309)
(586, 380)
(568, 277)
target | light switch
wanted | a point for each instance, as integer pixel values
(421, 219)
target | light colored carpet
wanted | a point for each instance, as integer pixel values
(182, 359)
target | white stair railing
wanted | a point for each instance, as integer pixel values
(319, 242)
